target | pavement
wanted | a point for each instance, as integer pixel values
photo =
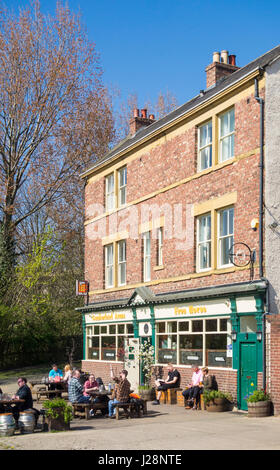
(165, 427)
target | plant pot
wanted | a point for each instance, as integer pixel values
(218, 405)
(57, 424)
(148, 394)
(259, 409)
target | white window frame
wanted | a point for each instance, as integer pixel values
(109, 267)
(146, 256)
(222, 237)
(121, 262)
(229, 136)
(203, 242)
(208, 145)
(122, 187)
(110, 193)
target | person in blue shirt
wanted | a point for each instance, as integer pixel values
(55, 372)
(55, 376)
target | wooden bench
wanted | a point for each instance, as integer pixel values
(82, 409)
(169, 396)
(130, 409)
(50, 393)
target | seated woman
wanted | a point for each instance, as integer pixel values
(90, 385)
(67, 373)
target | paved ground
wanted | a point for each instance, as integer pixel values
(164, 428)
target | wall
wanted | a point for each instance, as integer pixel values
(272, 186)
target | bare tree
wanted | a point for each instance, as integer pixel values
(55, 113)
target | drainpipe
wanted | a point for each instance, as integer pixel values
(261, 166)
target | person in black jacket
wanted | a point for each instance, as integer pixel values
(24, 393)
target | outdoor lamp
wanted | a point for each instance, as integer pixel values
(234, 335)
(259, 335)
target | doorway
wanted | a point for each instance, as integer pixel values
(247, 368)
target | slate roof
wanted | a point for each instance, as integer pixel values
(259, 63)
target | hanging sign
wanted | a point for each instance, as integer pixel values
(82, 287)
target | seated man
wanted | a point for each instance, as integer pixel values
(172, 381)
(24, 393)
(122, 391)
(55, 376)
(76, 390)
(192, 393)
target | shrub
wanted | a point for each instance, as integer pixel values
(258, 395)
(57, 407)
(210, 395)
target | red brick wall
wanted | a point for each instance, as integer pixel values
(273, 372)
(227, 380)
(167, 163)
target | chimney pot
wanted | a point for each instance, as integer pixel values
(135, 112)
(144, 113)
(232, 59)
(152, 116)
(224, 57)
(216, 57)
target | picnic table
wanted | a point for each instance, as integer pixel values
(45, 389)
(7, 402)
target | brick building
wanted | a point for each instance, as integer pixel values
(181, 235)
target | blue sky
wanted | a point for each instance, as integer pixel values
(159, 45)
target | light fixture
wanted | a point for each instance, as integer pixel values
(259, 335)
(254, 224)
(233, 335)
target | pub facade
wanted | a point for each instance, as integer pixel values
(175, 232)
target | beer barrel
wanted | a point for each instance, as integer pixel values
(26, 421)
(7, 424)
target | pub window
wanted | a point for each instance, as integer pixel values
(225, 235)
(110, 192)
(107, 342)
(146, 256)
(205, 146)
(226, 135)
(121, 263)
(197, 341)
(204, 242)
(109, 265)
(122, 182)
(159, 247)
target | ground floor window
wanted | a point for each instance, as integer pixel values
(106, 342)
(202, 342)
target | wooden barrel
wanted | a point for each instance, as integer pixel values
(7, 424)
(26, 421)
(260, 409)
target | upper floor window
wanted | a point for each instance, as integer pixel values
(110, 192)
(204, 242)
(225, 235)
(121, 263)
(160, 246)
(122, 182)
(226, 135)
(205, 146)
(146, 256)
(109, 265)
(115, 264)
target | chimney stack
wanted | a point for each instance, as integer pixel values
(138, 121)
(223, 65)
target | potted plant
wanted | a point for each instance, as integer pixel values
(146, 357)
(58, 414)
(217, 401)
(259, 404)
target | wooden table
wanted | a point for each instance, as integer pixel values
(7, 402)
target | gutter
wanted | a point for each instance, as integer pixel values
(261, 166)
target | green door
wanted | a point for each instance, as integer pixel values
(247, 371)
